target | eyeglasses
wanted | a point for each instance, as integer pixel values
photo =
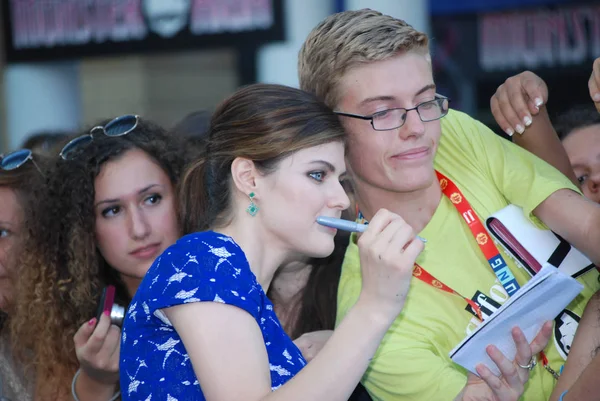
(118, 127)
(390, 119)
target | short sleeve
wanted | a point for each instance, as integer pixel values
(523, 178)
(203, 267)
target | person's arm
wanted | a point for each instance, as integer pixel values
(519, 108)
(228, 343)
(574, 218)
(580, 373)
(531, 185)
(587, 387)
(542, 140)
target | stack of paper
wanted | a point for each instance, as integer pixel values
(541, 299)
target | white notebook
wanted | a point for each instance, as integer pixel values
(541, 299)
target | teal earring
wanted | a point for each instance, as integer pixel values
(252, 208)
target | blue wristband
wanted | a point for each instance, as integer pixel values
(562, 395)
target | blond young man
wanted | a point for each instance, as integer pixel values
(375, 71)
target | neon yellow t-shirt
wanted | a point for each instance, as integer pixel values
(412, 361)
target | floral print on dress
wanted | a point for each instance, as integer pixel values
(200, 267)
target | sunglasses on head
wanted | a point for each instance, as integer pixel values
(118, 127)
(16, 159)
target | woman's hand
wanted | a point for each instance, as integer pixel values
(311, 343)
(517, 100)
(388, 250)
(511, 384)
(97, 347)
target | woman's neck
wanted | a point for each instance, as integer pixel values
(263, 254)
(289, 280)
(131, 284)
(286, 291)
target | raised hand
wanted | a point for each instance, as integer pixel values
(517, 100)
(97, 347)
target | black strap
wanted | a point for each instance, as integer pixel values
(560, 253)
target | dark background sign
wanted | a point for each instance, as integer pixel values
(38, 30)
(474, 53)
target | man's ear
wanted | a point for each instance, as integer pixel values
(244, 174)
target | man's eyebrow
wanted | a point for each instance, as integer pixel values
(425, 89)
(388, 98)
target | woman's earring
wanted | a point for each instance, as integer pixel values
(252, 209)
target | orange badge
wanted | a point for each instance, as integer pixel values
(443, 184)
(456, 198)
(482, 239)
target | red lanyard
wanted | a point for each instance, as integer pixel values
(482, 237)
(488, 248)
(426, 277)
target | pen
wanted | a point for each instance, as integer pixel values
(347, 225)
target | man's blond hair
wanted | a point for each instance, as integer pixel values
(344, 40)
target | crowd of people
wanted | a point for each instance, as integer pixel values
(232, 290)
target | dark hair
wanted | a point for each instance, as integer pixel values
(263, 123)
(62, 273)
(195, 124)
(193, 129)
(575, 118)
(46, 141)
(24, 179)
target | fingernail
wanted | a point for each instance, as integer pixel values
(107, 312)
(92, 321)
(597, 97)
(538, 102)
(520, 129)
(510, 132)
(527, 121)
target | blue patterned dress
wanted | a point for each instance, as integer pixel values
(204, 266)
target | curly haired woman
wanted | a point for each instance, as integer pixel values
(108, 211)
(19, 176)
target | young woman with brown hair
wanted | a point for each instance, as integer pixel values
(108, 209)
